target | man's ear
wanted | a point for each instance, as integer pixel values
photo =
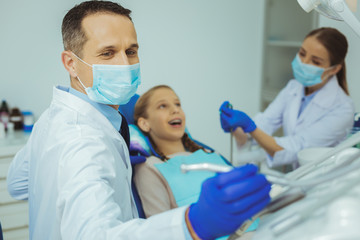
(67, 59)
(143, 124)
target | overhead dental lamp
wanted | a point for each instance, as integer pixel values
(334, 9)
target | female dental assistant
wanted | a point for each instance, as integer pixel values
(314, 109)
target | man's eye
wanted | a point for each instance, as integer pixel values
(301, 54)
(316, 63)
(162, 106)
(178, 104)
(107, 54)
(131, 52)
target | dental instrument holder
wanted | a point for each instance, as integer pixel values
(297, 192)
(282, 225)
(303, 170)
(277, 203)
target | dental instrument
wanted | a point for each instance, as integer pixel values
(333, 173)
(221, 169)
(303, 170)
(231, 137)
(205, 167)
(276, 203)
(231, 141)
(296, 191)
(299, 192)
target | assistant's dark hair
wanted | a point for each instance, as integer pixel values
(336, 45)
(140, 110)
(73, 35)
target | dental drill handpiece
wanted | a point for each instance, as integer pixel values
(231, 138)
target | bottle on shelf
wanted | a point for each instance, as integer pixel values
(28, 121)
(16, 118)
(10, 129)
(4, 113)
(2, 130)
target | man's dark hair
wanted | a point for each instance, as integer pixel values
(73, 35)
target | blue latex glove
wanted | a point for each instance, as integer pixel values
(137, 153)
(227, 200)
(231, 119)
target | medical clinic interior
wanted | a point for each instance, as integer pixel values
(261, 82)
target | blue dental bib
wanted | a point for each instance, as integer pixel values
(186, 187)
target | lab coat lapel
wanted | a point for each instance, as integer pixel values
(62, 96)
(294, 107)
(320, 104)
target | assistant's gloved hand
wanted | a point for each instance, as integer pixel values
(227, 200)
(137, 153)
(231, 119)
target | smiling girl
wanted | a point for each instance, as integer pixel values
(159, 115)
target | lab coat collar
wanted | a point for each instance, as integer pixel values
(61, 95)
(321, 102)
(90, 113)
(327, 95)
(110, 113)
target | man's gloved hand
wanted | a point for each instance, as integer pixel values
(231, 119)
(137, 153)
(227, 200)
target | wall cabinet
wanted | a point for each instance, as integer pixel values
(13, 214)
(286, 25)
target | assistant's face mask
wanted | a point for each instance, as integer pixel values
(307, 74)
(113, 84)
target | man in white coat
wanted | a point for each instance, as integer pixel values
(75, 169)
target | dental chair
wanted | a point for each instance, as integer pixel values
(143, 146)
(127, 110)
(356, 126)
(1, 233)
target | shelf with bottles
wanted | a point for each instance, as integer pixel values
(12, 119)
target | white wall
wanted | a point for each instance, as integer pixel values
(353, 56)
(30, 47)
(207, 50)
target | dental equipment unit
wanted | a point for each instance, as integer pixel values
(294, 189)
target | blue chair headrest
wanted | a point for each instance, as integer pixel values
(128, 109)
(357, 120)
(138, 140)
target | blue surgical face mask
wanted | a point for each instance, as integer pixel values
(113, 84)
(307, 74)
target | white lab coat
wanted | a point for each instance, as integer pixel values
(324, 122)
(76, 173)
